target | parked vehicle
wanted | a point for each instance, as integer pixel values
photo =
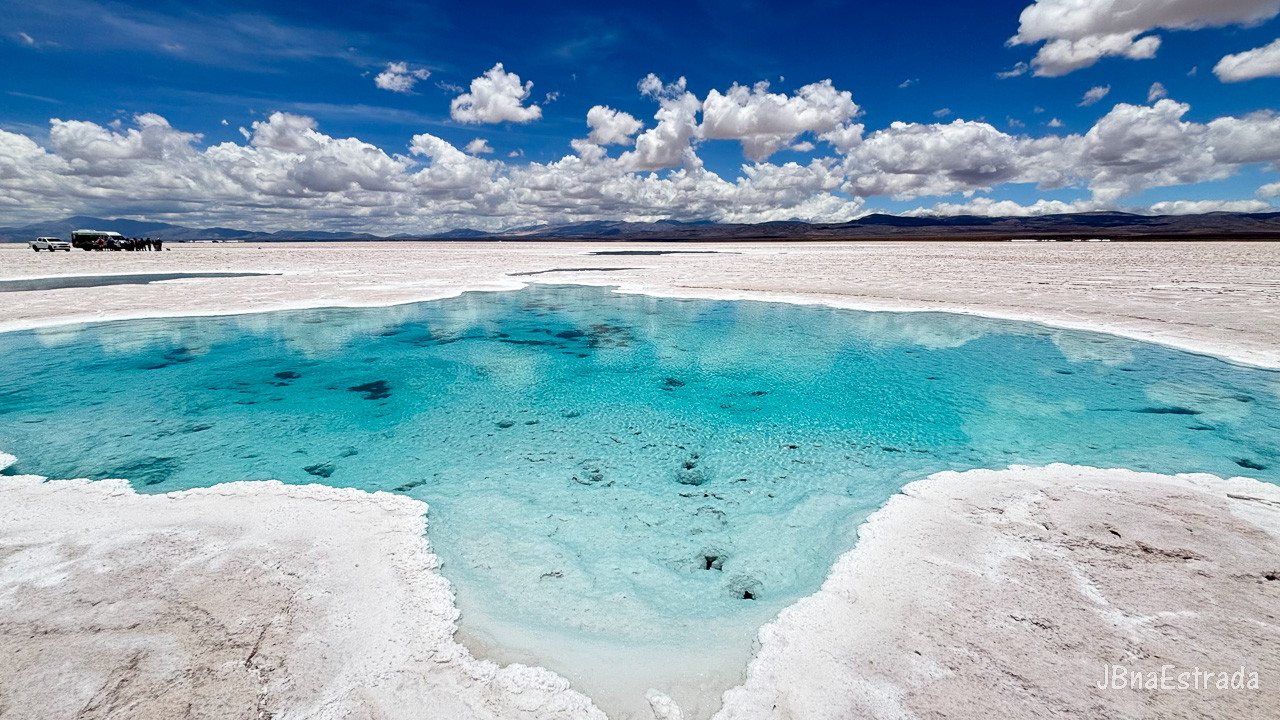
(49, 243)
(96, 239)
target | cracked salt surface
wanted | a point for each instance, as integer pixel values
(622, 488)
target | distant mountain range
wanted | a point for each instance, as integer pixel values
(1109, 225)
(164, 231)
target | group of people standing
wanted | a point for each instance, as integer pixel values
(129, 244)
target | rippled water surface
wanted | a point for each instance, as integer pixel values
(622, 488)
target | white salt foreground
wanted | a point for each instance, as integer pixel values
(979, 593)
(1002, 594)
(244, 600)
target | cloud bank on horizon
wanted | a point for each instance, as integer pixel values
(647, 147)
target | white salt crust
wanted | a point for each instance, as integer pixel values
(1001, 592)
(1213, 298)
(243, 598)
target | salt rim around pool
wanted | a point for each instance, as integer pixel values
(622, 488)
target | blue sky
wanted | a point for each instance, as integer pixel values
(216, 69)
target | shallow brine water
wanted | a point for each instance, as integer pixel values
(622, 488)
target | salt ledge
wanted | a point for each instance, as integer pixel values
(979, 592)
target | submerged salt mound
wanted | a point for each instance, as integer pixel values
(1004, 593)
(241, 600)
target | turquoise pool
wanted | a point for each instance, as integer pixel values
(619, 480)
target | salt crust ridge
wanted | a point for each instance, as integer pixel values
(322, 602)
(1004, 593)
(313, 602)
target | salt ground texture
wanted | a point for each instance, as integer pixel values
(985, 593)
(1003, 594)
(975, 593)
(1218, 298)
(245, 600)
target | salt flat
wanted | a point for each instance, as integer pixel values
(973, 593)
(1220, 298)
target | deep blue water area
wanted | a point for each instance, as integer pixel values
(612, 476)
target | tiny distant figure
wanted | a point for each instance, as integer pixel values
(151, 245)
(157, 242)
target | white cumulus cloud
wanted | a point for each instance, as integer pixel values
(611, 127)
(988, 207)
(495, 97)
(1078, 33)
(1195, 207)
(765, 122)
(910, 160)
(1017, 70)
(289, 173)
(1250, 65)
(479, 146)
(398, 77)
(667, 144)
(1156, 92)
(1094, 94)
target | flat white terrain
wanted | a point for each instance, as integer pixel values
(1219, 298)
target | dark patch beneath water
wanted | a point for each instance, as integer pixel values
(323, 470)
(148, 471)
(177, 356)
(1168, 411)
(86, 281)
(376, 390)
